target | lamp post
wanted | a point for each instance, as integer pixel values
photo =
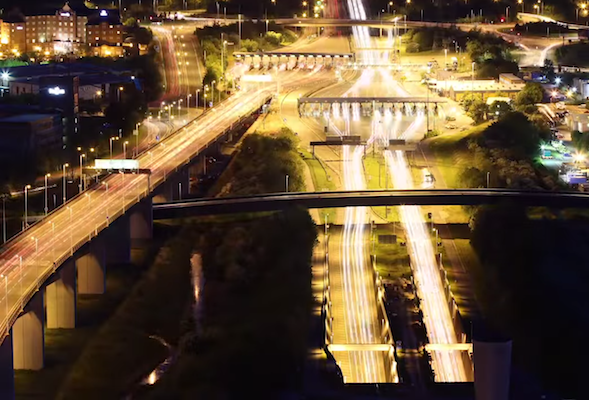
(506, 13)
(27, 187)
(64, 183)
(286, 183)
(136, 151)
(46, 208)
(522, 4)
(445, 57)
(3, 219)
(472, 78)
(125, 143)
(82, 156)
(389, 7)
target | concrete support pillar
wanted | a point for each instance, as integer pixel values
(141, 222)
(492, 368)
(28, 335)
(60, 297)
(91, 268)
(6, 369)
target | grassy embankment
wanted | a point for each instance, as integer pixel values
(65, 347)
(122, 352)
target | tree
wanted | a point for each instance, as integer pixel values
(478, 111)
(532, 93)
(514, 135)
(500, 108)
(580, 140)
(472, 178)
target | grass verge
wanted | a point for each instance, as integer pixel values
(322, 180)
(377, 177)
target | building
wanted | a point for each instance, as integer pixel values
(14, 37)
(23, 135)
(104, 34)
(95, 81)
(62, 32)
(582, 87)
(510, 79)
(456, 89)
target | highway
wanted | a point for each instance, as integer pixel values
(352, 284)
(28, 259)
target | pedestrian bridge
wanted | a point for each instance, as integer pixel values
(430, 197)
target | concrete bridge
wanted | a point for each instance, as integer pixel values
(43, 269)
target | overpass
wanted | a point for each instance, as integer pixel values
(44, 267)
(430, 197)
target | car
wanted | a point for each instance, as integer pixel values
(450, 126)
(450, 118)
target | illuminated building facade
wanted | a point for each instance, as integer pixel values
(104, 34)
(61, 32)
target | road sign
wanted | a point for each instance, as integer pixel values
(115, 164)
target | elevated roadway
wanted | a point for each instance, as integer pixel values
(369, 198)
(29, 261)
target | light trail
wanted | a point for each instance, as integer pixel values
(448, 366)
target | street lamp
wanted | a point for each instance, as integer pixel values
(125, 143)
(472, 79)
(82, 156)
(46, 208)
(3, 219)
(64, 183)
(110, 140)
(27, 187)
(287, 183)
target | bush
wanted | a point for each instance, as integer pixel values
(412, 47)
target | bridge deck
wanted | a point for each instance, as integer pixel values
(432, 197)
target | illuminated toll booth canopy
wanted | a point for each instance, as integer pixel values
(321, 106)
(259, 60)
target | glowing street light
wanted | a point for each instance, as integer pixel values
(46, 208)
(27, 187)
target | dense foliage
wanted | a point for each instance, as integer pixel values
(262, 164)
(491, 53)
(252, 337)
(506, 150)
(532, 286)
(576, 54)
(254, 37)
